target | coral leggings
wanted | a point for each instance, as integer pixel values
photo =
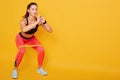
(34, 43)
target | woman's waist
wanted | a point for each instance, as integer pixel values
(26, 36)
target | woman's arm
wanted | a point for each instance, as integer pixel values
(45, 25)
(25, 28)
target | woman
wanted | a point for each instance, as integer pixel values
(29, 25)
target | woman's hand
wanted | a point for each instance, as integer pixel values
(42, 19)
(39, 19)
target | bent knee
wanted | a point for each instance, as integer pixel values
(21, 50)
(40, 49)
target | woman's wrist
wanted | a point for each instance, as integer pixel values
(45, 22)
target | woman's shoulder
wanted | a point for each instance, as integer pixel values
(23, 21)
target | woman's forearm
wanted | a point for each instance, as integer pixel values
(29, 27)
(47, 27)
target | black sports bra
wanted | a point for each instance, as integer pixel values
(33, 30)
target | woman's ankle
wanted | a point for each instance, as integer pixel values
(39, 67)
(15, 68)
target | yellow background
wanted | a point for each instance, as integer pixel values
(84, 45)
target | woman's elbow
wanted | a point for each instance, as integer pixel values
(50, 30)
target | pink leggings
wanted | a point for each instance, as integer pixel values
(20, 41)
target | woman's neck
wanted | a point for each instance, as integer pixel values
(31, 18)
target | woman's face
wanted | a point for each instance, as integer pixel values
(33, 10)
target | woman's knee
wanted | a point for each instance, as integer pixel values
(22, 50)
(40, 50)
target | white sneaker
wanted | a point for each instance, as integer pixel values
(14, 74)
(40, 70)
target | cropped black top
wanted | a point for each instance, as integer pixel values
(33, 30)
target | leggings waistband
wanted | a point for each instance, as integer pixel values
(23, 36)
